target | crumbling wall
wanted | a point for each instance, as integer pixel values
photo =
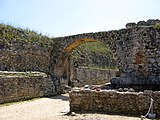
(24, 50)
(17, 86)
(25, 58)
(142, 60)
(150, 22)
(112, 101)
(136, 50)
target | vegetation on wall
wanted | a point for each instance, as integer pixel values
(94, 54)
(94, 47)
(9, 35)
(90, 54)
(157, 26)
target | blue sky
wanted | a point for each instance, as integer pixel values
(68, 17)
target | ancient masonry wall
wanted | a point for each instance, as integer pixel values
(90, 76)
(136, 49)
(111, 101)
(21, 86)
(25, 57)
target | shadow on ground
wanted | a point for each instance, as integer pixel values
(62, 97)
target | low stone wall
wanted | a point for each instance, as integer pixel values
(111, 101)
(92, 76)
(17, 86)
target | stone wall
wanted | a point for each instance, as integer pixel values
(136, 50)
(24, 50)
(111, 101)
(147, 23)
(17, 86)
(92, 76)
(25, 58)
(143, 66)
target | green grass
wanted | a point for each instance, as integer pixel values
(86, 54)
(9, 35)
(92, 47)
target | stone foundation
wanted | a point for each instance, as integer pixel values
(17, 86)
(112, 101)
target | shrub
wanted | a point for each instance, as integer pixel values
(157, 26)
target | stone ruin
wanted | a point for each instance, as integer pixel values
(138, 82)
(143, 66)
(136, 48)
(18, 86)
(147, 23)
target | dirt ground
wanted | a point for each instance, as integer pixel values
(54, 108)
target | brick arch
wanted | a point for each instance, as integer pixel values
(114, 40)
(63, 57)
(68, 43)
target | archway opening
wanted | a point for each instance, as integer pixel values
(83, 58)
